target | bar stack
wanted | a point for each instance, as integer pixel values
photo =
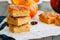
(18, 18)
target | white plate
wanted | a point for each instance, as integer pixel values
(37, 31)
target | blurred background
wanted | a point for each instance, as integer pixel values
(44, 5)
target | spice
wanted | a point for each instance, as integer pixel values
(34, 22)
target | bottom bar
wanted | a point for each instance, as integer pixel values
(18, 29)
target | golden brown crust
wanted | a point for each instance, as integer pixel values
(57, 20)
(18, 29)
(18, 7)
(18, 10)
(18, 21)
(58, 17)
(48, 17)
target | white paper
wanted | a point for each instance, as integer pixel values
(37, 31)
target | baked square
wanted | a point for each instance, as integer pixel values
(18, 21)
(18, 10)
(48, 17)
(18, 29)
(57, 21)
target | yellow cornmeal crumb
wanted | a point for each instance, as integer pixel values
(17, 11)
(18, 21)
(48, 17)
(57, 21)
(18, 29)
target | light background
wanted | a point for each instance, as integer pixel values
(7, 0)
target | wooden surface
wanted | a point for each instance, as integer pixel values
(56, 37)
(3, 12)
(46, 38)
(49, 38)
(3, 0)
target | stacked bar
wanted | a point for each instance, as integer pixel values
(18, 18)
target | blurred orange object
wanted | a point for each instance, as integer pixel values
(36, 1)
(29, 3)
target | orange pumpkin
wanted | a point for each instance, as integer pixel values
(36, 1)
(29, 3)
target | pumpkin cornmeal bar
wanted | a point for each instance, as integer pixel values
(18, 21)
(57, 21)
(18, 29)
(18, 10)
(48, 17)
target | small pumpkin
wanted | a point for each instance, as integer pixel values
(29, 3)
(55, 5)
